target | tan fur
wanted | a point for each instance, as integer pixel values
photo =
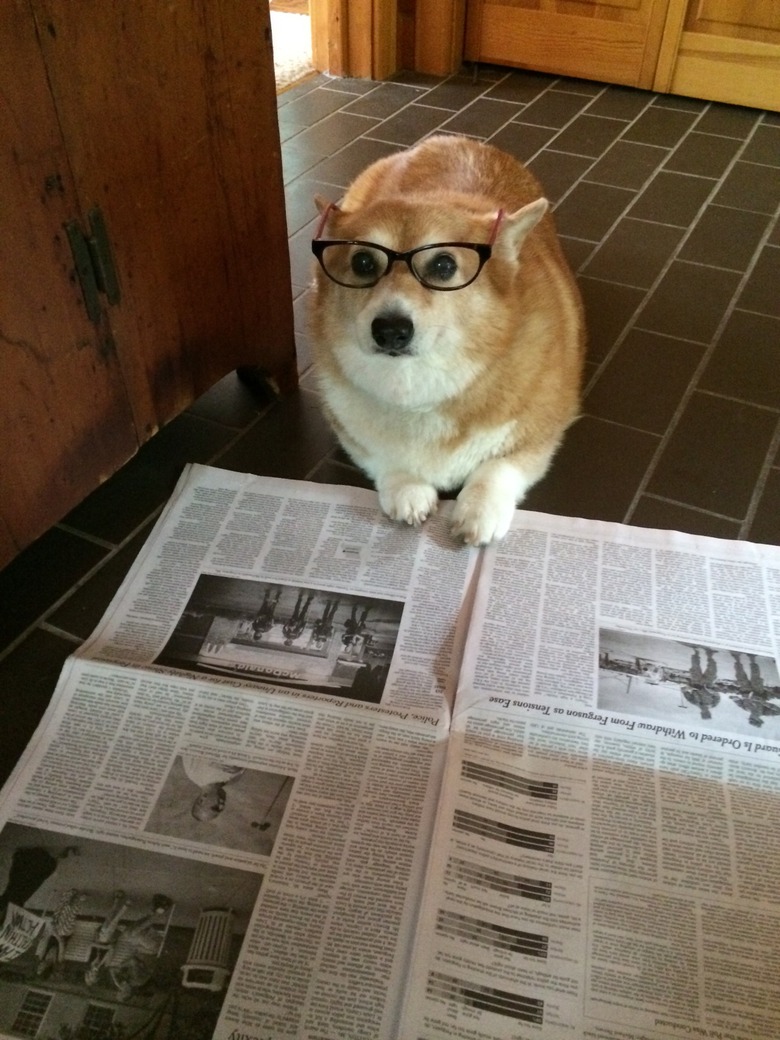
(492, 376)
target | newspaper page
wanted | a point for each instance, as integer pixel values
(222, 824)
(603, 859)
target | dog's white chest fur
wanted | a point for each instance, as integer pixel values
(383, 438)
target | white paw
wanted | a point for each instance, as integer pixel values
(407, 500)
(481, 517)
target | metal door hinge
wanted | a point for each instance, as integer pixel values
(94, 263)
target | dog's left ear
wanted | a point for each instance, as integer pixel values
(516, 226)
(322, 204)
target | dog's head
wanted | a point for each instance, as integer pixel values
(412, 294)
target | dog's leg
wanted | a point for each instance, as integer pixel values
(485, 506)
(404, 497)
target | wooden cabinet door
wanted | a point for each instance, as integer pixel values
(616, 41)
(723, 50)
(65, 416)
(163, 117)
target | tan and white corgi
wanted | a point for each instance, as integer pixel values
(447, 330)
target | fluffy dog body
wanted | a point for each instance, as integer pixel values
(433, 390)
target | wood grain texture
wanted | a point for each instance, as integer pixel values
(163, 116)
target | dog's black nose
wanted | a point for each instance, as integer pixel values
(392, 334)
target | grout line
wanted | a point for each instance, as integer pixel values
(761, 482)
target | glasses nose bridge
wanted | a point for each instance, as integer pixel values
(393, 256)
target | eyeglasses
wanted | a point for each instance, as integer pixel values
(359, 265)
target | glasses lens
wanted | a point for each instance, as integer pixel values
(356, 265)
(446, 267)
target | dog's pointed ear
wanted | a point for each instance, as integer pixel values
(516, 226)
(322, 203)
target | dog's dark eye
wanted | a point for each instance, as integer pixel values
(364, 264)
(441, 267)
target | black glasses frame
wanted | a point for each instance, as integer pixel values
(483, 249)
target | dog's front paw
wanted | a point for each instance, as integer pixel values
(480, 518)
(406, 499)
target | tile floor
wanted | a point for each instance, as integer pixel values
(667, 208)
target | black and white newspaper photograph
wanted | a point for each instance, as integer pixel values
(305, 638)
(686, 682)
(118, 937)
(212, 801)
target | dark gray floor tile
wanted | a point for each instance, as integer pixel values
(28, 676)
(576, 250)
(410, 125)
(384, 100)
(522, 140)
(761, 291)
(289, 441)
(662, 127)
(689, 302)
(229, 402)
(728, 120)
(349, 85)
(746, 361)
(481, 118)
(301, 208)
(456, 92)
(620, 103)
(297, 159)
(627, 165)
(342, 168)
(725, 238)
(763, 146)
(557, 172)
(520, 87)
(590, 210)
(310, 108)
(578, 86)
(670, 516)
(333, 133)
(714, 456)
(116, 508)
(766, 522)
(596, 473)
(588, 135)
(703, 155)
(644, 381)
(608, 310)
(41, 575)
(752, 187)
(672, 198)
(83, 609)
(677, 101)
(634, 253)
(554, 108)
(332, 471)
(298, 90)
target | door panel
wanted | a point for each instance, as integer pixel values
(615, 41)
(171, 132)
(724, 50)
(65, 419)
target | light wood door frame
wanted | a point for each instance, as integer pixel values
(354, 38)
(359, 37)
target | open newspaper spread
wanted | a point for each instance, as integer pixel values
(317, 775)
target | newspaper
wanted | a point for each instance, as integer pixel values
(317, 775)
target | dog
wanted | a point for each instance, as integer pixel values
(447, 331)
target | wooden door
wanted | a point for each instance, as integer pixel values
(163, 117)
(65, 416)
(723, 50)
(616, 41)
